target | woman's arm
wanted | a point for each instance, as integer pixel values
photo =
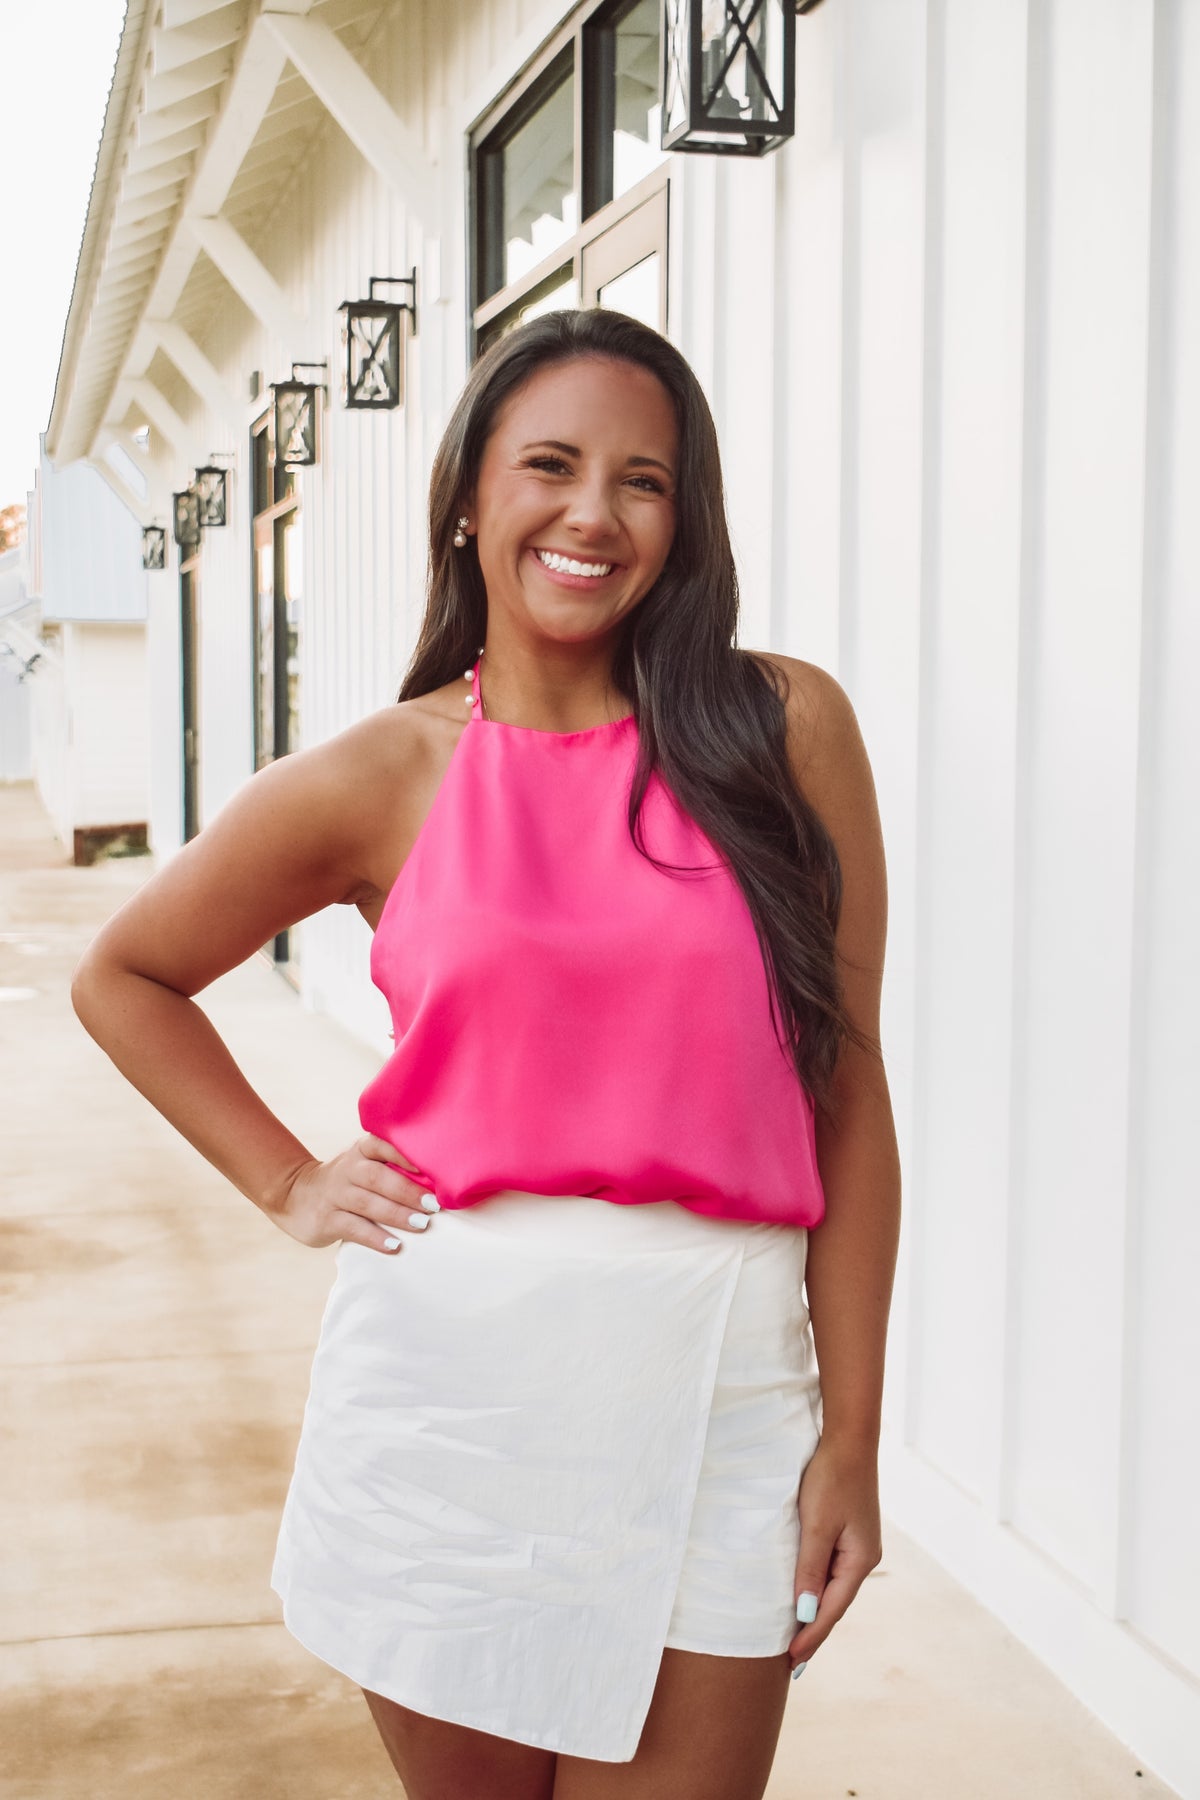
(301, 835)
(851, 1258)
(852, 1254)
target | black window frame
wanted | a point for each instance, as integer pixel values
(584, 46)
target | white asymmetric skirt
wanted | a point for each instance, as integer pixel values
(547, 1439)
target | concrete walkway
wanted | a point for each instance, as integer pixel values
(155, 1339)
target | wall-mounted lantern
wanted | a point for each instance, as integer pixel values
(212, 490)
(373, 345)
(187, 520)
(154, 547)
(729, 75)
(295, 421)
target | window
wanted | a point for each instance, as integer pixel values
(569, 184)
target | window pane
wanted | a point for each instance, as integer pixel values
(538, 163)
(637, 110)
(637, 291)
(560, 293)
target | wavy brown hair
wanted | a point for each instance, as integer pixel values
(710, 717)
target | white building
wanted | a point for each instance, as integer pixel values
(20, 653)
(89, 705)
(944, 331)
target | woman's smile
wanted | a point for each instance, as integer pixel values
(573, 572)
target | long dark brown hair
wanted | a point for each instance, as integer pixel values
(710, 717)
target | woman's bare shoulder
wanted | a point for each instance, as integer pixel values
(821, 719)
(379, 775)
(393, 742)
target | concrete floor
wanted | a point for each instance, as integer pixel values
(155, 1340)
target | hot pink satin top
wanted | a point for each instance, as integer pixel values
(567, 1018)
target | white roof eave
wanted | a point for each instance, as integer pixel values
(123, 99)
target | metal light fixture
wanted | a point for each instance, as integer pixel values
(212, 489)
(295, 418)
(728, 75)
(154, 547)
(187, 519)
(373, 345)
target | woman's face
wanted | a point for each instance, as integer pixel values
(574, 508)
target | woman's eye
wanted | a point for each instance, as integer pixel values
(547, 462)
(649, 485)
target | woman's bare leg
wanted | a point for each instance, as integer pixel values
(438, 1761)
(710, 1734)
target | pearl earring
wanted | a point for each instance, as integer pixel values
(460, 536)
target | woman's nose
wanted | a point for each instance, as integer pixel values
(591, 509)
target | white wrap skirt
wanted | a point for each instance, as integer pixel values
(547, 1439)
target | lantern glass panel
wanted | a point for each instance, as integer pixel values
(187, 519)
(371, 334)
(210, 489)
(728, 75)
(741, 60)
(295, 424)
(154, 547)
(678, 66)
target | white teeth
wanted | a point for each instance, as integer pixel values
(566, 565)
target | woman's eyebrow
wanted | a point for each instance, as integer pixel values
(574, 450)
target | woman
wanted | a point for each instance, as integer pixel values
(569, 1505)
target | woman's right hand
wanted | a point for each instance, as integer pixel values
(355, 1198)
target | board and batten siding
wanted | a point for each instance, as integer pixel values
(948, 337)
(963, 486)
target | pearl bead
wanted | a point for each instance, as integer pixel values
(470, 699)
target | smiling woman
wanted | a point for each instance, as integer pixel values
(569, 1502)
(591, 516)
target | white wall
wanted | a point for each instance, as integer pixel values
(15, 748)
(945, 334)
(91, 748)
(90, 547)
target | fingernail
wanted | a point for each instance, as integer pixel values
(418, 1221)
(798, 1671)
(431, 1203)
(806, 1608)
(391, 1243)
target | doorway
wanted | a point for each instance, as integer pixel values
(278, 585)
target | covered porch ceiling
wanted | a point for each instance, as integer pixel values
(212, 106)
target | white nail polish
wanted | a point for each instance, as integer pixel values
(431, 1203)
(417, 1221)
(391, 1243)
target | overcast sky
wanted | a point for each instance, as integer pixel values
(58, 63)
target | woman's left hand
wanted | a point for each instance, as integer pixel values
(841, 1538)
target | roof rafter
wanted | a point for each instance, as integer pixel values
(248, 277)
(349, 95)
(197, 371)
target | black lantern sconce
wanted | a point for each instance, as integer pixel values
(187, 520)
(373, 345)
(729, 74)
(211, 485)
(295, 418)
(154, 547)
